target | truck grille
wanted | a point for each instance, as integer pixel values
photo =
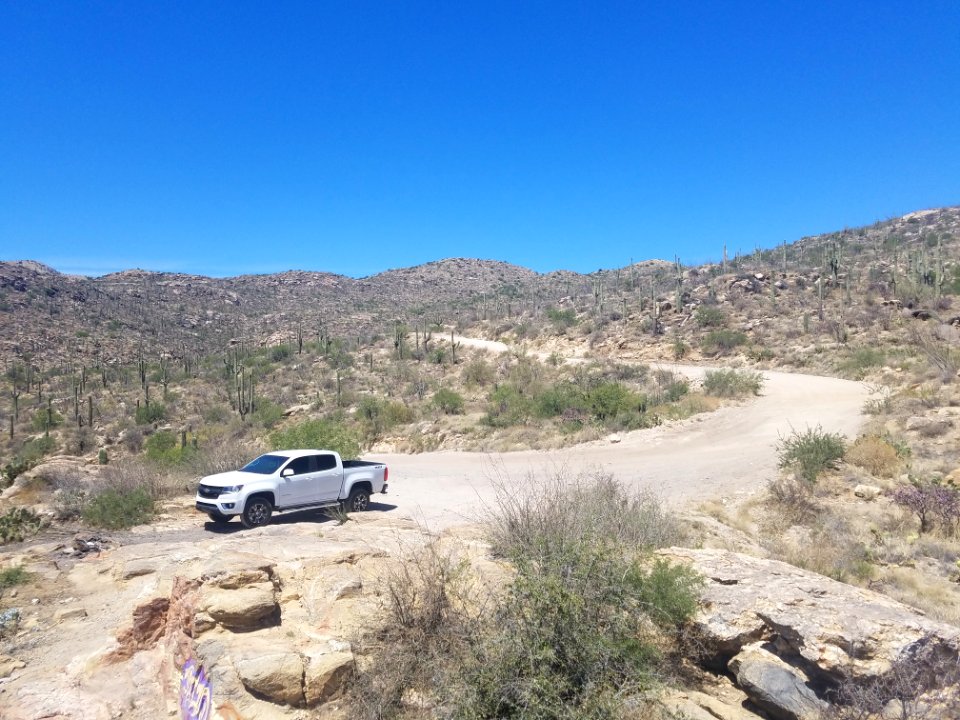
(207, 491)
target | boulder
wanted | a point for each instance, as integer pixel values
(277, 676)
(779, 689)
(241, 608)
(867, 492)
(325, 676)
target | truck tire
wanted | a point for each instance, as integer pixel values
(256, 513)
(219, 518)
(358, 501)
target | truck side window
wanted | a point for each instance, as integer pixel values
(301, 465)
(326, 462)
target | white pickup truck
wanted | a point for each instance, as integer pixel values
(287, 480)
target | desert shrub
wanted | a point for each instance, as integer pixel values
(562, 319)
(227, 454)
(934, 503)
(164, 447)
(45, 419)
(939, 353)
(873, 454)
(150, 413)
(377, 415)
(19, 523)
(280, 353)
(267, 413)
(679, 348)
(607, 400)
(810, 452)
(719, 342)
(13, 576)
(115, 508)
(732, 383)
(319, 434)
(507, 406)
(582, 624)
(792, 497)
(478, 373)
(448, 401)
(214, 414)
(923, 686)
(860, 360)
(31, 453)
(674, 390)
(558, 400)
(709, 317)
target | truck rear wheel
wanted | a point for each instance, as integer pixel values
(358, 501)
(256, 513)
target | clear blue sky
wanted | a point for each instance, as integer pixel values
(352, 137)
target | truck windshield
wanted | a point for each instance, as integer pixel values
(264, 465)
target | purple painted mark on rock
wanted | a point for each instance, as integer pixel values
(196, 695)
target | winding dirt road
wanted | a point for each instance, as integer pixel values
(724, 453)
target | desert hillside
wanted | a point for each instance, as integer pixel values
(715, 491)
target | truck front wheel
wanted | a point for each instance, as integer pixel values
(256, 513)
(358, 501)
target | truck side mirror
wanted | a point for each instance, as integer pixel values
(286, 472)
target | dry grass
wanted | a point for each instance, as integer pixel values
(875, 455)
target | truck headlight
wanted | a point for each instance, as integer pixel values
(232, 489)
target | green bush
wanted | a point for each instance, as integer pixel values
(559, 400)
(116, 508)
(13, 576)
(31, 453)
(280, 353)
(811, 452)
(860, 360)
(478, 373)
(732, 383)
(562, 319)
(448, 401)
(507, 406)
(148, 414)
(719, 342)
(377, 415)
(608, 399)
(569, 639)
(318, 434)
(164, 447)
(708, 316)
(18, 523)
(267, 413)
(44, 419)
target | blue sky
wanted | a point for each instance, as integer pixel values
(353, 137)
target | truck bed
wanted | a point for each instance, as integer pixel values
(359, 463)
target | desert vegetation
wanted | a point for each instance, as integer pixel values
(579, 628)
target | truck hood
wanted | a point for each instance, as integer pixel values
(226, 479)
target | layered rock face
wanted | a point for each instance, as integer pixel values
(797, 642)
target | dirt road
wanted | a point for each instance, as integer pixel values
(724, 453)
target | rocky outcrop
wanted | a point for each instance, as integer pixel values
(795, 640)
